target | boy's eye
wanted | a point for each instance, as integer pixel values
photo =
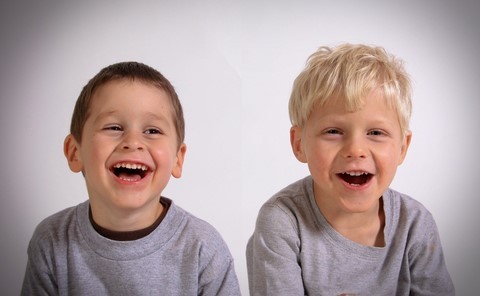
(375, 133)
(333, 131)
(153, 131)
(113, 128)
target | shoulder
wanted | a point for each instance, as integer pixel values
(410, 216)
(58, 222)
(202, 245)
(289, 207)
(55, 229)
(417, 235)
(292, 196)
(407, 207)
(197, 232)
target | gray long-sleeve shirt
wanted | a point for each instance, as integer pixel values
(294, 251)
(182, 256)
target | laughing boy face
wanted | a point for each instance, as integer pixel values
(352, 156)
(127, 154)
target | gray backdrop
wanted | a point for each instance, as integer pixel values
(233, 64)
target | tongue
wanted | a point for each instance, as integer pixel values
(129, 177)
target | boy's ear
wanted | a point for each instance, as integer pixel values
(296, 142)
(405, 144)
(71, 149)
(177, 168)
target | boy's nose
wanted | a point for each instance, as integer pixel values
(131, 141)
(354, 148)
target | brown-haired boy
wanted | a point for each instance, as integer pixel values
(126, 138)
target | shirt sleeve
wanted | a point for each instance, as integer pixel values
(428, 271)
(273, 254)
(217, 277)
(38, 279)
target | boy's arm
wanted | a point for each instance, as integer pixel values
(428, 271)
(217, 275)
(37, 280)
(224, 281)
(273, 255)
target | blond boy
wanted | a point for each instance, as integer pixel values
(341, 230)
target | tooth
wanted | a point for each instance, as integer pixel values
(132, 166)
(355, 173)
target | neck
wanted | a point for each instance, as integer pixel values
(125, 220)
(365, 228)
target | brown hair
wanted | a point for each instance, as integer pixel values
(125, 70)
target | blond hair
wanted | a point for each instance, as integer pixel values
(350, 72)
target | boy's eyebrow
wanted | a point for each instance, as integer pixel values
(159, 117)
(148, 115)
(334, 119)
(103, 115)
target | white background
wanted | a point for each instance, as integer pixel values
(233, 64)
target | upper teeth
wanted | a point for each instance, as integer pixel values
(132, 166)
(356, 173)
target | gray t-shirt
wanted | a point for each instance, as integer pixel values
(182, 256)
(294, 251)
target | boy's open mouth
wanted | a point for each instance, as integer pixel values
(130, 171)
(355, 178)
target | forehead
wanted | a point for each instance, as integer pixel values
(375, 104)
(128, 93)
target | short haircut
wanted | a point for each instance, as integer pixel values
(125, 70)
(350, 72)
